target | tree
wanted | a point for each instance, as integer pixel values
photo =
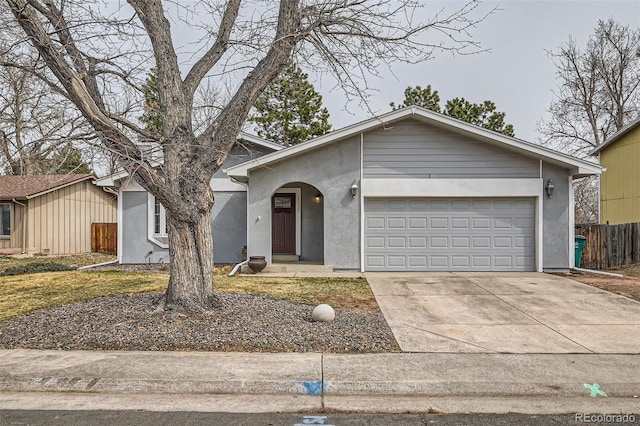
(418, 96)
(483, 115)
(290, 110)
(152, 117)
(36, 126)
(599, 89)
(598, 94)
(95, 57)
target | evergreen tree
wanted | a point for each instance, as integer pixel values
(152, 117)
(483, 115)
(290, 110)
(418, 96)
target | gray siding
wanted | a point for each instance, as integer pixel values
(229, 229)
(410, 149)
(136, 247)
(229, 226)
(555, 211)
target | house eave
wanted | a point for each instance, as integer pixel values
(426, 116)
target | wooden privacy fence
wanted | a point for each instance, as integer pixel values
(610, 246)
(104, 238)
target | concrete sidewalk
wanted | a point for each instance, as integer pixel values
(251, 382)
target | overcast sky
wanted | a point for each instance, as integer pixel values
(517, 74)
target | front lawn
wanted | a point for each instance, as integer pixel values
(22, 294)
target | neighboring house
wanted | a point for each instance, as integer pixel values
(410, 190)
(142, 233)
(620, 181)
(51, 214)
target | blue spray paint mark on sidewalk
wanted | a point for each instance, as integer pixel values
(313, 388)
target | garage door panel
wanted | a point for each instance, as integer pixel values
(454, 234)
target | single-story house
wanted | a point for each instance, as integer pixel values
(142, 233)
(619, 156)
(410, 190)
(51, 214)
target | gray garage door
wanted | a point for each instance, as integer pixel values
(434, 234)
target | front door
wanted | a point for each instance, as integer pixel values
(284, 224)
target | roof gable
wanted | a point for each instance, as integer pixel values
(616, 136)
(23, 187)
(387, 121)
(111, 179)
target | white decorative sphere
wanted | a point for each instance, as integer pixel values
(323, 313)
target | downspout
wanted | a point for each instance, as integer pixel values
(244, 262)
(24, 224)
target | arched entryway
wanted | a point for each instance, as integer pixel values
(297, 223)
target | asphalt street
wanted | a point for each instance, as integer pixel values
(140, 418)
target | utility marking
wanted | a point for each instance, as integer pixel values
(595, 390)
(313, 420)
(313, 388)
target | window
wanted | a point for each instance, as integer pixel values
(159, 219)
(5, 219)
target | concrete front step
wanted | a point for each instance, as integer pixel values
(292, 267)
(278, 258)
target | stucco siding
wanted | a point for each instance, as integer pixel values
(410, 149)
(229, 229)
(136, 246)
(229, 226)
(332, 170)
(620, 183)
(555, 212)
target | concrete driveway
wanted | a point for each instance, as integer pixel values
(504, 312)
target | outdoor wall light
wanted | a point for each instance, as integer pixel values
(549, 188)
(318, 197)
(354, 190)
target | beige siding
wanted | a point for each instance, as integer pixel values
(619, 188)
(60, 222)
(15, 240)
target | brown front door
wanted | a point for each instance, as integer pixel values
(284, 224)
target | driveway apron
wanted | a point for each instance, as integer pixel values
(504, 313)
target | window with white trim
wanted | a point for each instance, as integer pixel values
(159, 219)
(5, 219)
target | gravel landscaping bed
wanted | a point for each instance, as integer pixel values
(242, 323)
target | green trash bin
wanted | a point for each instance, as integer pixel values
(580, 242)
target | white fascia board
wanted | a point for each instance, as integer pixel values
(259, 141)
(452, 187)
(242, 170)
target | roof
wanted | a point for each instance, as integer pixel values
(616, 136)
(111, 179)
(580, 167)
(25, 187)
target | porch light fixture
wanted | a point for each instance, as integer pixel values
(318, 197)
(549, 188)
(354, 190)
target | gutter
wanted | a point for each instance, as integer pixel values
(24, 225)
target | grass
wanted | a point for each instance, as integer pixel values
(74, 261)
(21, 294)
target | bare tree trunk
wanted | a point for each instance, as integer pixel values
(191, 250)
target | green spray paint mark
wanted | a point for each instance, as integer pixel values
(595, 390)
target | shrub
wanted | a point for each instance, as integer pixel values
(32, 268)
